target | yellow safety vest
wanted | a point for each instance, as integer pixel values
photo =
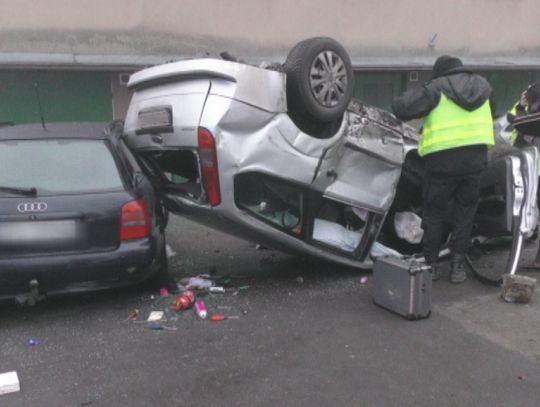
(513, 112)
(515, 133)
(450, 126)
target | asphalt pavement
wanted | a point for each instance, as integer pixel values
(300, 332)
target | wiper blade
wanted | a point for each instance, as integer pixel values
(20, 191)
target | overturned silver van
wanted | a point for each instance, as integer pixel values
(282, 155)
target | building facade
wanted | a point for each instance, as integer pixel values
(73, 57)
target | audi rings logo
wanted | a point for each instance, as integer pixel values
(32, 207)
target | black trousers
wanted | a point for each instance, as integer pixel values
(438, 192)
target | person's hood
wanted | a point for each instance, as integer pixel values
(468, 90)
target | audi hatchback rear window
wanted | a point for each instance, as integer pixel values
(63, 166)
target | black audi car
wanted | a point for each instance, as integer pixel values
(76, 211)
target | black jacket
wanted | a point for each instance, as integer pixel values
(468, 90)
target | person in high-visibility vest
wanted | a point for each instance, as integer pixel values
(457, 130)
(528, 103)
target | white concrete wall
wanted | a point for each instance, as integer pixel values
(266, 28)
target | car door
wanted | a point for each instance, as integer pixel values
(357, 179)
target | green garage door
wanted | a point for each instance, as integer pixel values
(507, 87)
(377, 88)
(65, 96)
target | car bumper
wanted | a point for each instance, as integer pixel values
(132, 262)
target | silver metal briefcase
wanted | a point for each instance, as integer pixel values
(402, 286)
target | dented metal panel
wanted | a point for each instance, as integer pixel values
(270, 97)
(365, 168)
(249, 139)
(185, 101)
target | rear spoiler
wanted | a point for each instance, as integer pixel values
(263, 88)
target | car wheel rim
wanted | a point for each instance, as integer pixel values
(328, 78)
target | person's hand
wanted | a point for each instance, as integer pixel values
(523, 99)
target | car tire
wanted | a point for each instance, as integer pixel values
(162, 278)
(320, 80)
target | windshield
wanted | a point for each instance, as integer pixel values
(57, 166)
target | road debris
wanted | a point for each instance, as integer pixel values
(169, 251)
(300, 280)
(517, 288)
(155, 316)
(200, 309)
(218, 318)
(33, 341)
(184, 301)
(364, 280)
(163, 292)
(196, 283)
(158, 327)
(216, 290)
(132, 315)
(9, 383)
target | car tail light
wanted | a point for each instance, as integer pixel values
(209, 166)
(135, 221)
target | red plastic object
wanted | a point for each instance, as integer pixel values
(184, 301)
(218, 318)
(209, 165)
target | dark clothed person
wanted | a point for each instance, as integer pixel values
(457, 129)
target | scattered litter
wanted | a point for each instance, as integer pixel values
(200, 309)
(158, 327)
(9, 383)
(218, 318)
(233, 317)
(216, 290)
(184, 301)
(517, 288)
(260, 247)
(408, 226)
(300, 280)
(364, 280)
(33, 341)
(521, 377)
(199, 282)
(155, 316)
(169, 251)
(163, 292)
(245, 311)
(132, 315)
(224, 307)
(241, 288)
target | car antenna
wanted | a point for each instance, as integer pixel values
(39, 106)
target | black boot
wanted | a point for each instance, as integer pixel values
(457, 271)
